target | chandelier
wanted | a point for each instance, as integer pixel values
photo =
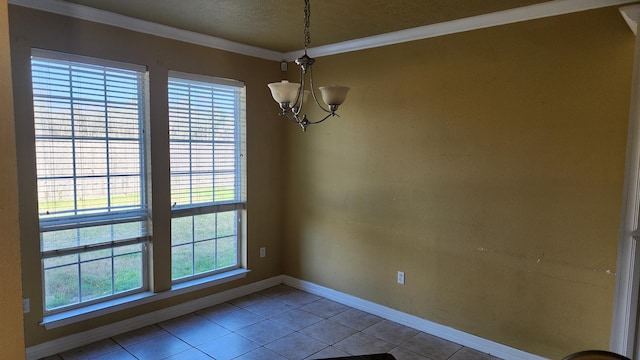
(292, 96)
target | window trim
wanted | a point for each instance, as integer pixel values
(61, 56)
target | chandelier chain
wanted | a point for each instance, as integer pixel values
(307, 32)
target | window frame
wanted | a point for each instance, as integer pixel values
(238, 204)
(79, 222)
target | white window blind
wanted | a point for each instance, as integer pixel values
(88, 143)
(206, 134)
(89, 121)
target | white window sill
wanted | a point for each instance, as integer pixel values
(111, 306)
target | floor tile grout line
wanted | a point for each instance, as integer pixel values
(296, 300)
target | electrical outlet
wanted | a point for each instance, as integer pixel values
(26, 306)
(263, 252)
(401, 277)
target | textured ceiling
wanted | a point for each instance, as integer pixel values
(278, 24)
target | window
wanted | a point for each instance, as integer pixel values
(90, 165)
(90, 118)
(206, 140)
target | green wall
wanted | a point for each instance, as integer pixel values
(35, 29)
(487, 165)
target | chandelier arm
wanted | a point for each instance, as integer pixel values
(313, 92)
(300, 98)
(321, 120)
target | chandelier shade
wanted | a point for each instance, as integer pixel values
(333, 94)
(284, 91)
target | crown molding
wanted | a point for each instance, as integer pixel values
(105, 17)
(631, 15)
(537, 11)
(531, 12)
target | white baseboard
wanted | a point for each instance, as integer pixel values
(72, 341)
(444, 332)
(87, 337)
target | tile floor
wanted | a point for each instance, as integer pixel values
(277, 323)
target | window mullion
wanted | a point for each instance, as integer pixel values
(193, 246)
(215, 239)
(79, 267)
(113, 272)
